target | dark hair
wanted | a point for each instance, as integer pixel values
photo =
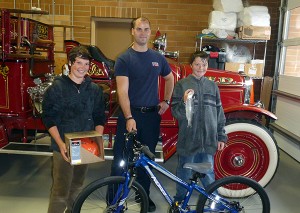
(80, 52)
(200, 54)
(141, 18)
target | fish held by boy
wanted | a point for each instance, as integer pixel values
(189, 108)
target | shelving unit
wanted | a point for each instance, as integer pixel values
(254, 43)
(258, 81)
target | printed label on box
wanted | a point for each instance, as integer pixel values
(252, 71)
(75, 151)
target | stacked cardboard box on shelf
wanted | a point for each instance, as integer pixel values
(254, 32)
(250, 23)
(254, 69)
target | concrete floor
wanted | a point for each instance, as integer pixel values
(25, 182)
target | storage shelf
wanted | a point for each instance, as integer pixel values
(252, 41)
(255, 43)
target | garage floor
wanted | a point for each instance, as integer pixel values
(25, 183)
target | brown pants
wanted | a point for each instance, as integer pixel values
(67, 183)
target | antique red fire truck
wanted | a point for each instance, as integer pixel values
(27, 55)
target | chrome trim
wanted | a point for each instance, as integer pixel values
(248, 85)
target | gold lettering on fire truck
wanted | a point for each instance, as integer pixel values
(95, 70)
(221, 80)
(42, 31)
(4, 71)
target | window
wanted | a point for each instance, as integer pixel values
(292, 61)
(290, 51)
(294, 23)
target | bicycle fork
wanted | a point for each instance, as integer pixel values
(123, 191)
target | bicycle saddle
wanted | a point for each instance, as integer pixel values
(203, 168)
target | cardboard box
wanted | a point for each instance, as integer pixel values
(253, 70)
(253, 32)
(84, 147)
(235, 67)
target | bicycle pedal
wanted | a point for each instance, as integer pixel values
(137, 199)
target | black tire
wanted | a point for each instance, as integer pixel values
(250, 196)
(95, 198)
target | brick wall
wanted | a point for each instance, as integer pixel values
(180, 20)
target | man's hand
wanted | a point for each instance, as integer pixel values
(130, 125)
(163, 106)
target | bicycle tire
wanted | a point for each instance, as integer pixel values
(255, 202)
(94, 197)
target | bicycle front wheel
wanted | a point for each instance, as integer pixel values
(104, 195)
(240, 193)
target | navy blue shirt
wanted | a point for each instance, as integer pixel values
(143, 70)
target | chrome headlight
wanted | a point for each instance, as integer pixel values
(248, 85)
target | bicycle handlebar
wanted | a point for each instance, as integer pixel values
(131, 134)
(146, 151)
(140, 147)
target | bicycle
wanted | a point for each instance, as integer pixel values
(124, 194)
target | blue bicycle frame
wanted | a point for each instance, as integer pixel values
(146, 163)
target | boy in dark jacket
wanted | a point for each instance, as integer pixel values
(198, 142)
(72, 103)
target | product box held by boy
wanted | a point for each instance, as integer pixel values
(84, 147)
(253, 32)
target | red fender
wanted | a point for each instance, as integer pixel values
(249, 108)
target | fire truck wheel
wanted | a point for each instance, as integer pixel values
(251, 151)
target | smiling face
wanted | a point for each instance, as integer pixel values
(79, 69)
(141, 32)
(199, 67)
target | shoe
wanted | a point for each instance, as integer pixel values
(151, 207)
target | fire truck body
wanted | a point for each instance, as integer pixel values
(27, 51)
(27, 54)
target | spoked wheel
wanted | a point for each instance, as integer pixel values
(103, 196)
(239, 193)
(251, 151)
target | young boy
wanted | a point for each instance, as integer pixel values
(199, 141)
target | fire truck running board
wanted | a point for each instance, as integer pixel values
(44, 150)
(26, 149)
(109, 155)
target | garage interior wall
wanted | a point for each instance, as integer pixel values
(180, 20)
(112, 36)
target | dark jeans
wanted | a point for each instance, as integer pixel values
(148, 129)
(67, 183)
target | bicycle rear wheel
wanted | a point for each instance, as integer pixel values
(99, 195)
(241, 193)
